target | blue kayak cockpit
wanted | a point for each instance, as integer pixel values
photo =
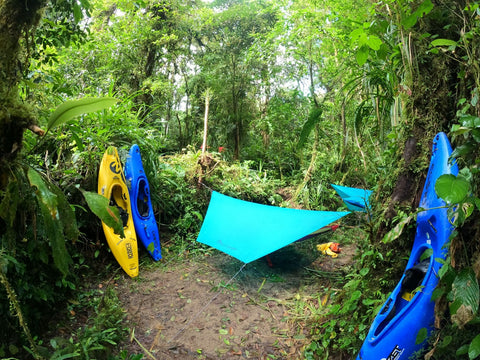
(409, 310)
(410, 287)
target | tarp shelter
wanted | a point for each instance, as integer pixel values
(248, 231)
(355, 199)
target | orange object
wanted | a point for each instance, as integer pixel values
(335, 247)
(332, 249)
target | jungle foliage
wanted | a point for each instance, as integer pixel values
(301, 94)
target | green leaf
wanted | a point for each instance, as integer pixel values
(426, 254)
(108, 214)
(422, 10)
(465, 149)
(421, 336)
(466, 297)
(198, 215)
(48, 204)
(477, 202)
(443, 42)
(437, 294)
(469, 121)
(77, 13)
(476, 135)
(151, 247)
(452, 189)
(356, 295)
(474, 348)
(459, 130)
(446, 341)
(374, 42)
(361, 55)
(462, 350)
(467, 209)
(397, 230)
(54, 229)
(313, 118)
(72, 108)
(355, 35)
(410, 21)
(66, 213)
(364, 271)
(43, 192)
(8, 206)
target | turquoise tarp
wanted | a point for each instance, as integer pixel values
(355, 199)
(248, 231)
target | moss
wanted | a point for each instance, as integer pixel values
(15, 117)
(16, 20)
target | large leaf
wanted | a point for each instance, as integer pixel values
(108, 214)
(443, 42)
(421, 336)
(48, 204)
(474, 348)
(470, 121)
(424, 8)
(67, 215)
(72, 108)
(313, 118)
(374, 42)
(43, 193)
(54, 229)
(397, 230)
(465, 297)
(451, 188)
(361, 55)
(8, 206)
(465, 150)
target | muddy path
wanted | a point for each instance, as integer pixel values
(211, 306)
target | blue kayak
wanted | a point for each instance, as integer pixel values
(409, 308)
(355, 199)
(142, 211)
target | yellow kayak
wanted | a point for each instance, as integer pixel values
(111, 184)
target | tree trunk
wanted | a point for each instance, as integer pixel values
(235, 110)
(205, 122)
(428, 109)
(17, 19)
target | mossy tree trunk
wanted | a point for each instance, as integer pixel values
(17, 21)
(430, 107)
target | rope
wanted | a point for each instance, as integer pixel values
(206, 186)
(205, 306)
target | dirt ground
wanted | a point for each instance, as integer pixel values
(213, 307)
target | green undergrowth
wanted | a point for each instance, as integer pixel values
(90, 326)
(343, 312)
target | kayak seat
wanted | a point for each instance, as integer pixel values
(117, 200)
(123, 215)
(412, 280)
(142, 207)
(142, 199)
(414, 276)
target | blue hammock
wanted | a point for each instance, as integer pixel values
(355, 199)
(248, 231)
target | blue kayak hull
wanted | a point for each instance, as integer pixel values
(409, 308)
(142, 210)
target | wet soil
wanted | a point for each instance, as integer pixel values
(211, 306)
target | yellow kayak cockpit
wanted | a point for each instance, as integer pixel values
(111, 184)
